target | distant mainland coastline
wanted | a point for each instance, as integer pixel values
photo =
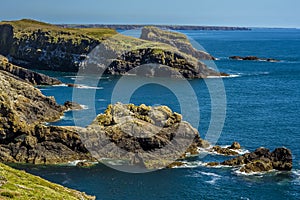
(170, 27)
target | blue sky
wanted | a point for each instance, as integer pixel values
(254, 13)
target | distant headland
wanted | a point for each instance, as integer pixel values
(170, 27)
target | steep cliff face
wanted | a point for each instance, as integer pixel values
(6, 39)
(43, 46)
(23, 137)
(25, 74)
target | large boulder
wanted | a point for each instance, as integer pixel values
(153, 137)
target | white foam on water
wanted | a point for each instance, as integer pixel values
(75, 162)
(60, 85)
(84, 107)
(256, 174)
(296, 174)
(101, 100)
(230, 76)
(193, 164)
(214, 177)
(89, 87)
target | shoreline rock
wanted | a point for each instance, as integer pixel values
(261, 160)
(26, 74)
(253, 58)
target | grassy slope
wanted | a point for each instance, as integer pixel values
(25, 26)
(17, 184)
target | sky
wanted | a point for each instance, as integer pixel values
(249, 13)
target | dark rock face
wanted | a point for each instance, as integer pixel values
(177, 40)
(42, 46)
(27, 75)
(263, 160)
(253, 58)
(6, 39)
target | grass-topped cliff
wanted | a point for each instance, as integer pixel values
(39, 45)
(16, 184)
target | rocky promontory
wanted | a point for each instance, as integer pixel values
(23, 136)
(38, 45)
(26, 74)
(177, 40)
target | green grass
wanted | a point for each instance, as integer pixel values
(17, 184)
(26, 27)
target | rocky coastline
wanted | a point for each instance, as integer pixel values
(37, 45)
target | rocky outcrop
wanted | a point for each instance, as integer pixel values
(160, 63)
(177, 40)
(253, 58)
(23, 137)
(227, 151)
(262, 160)
(69, 105)
(152, 137)
(224, 151)
(27, 75)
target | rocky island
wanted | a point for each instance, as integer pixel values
(253, 58)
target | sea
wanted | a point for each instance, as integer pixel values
(261, 109)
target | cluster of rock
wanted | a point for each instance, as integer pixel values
(261, 160)
(253, 58)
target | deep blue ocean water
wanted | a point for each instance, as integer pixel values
(263, 109)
